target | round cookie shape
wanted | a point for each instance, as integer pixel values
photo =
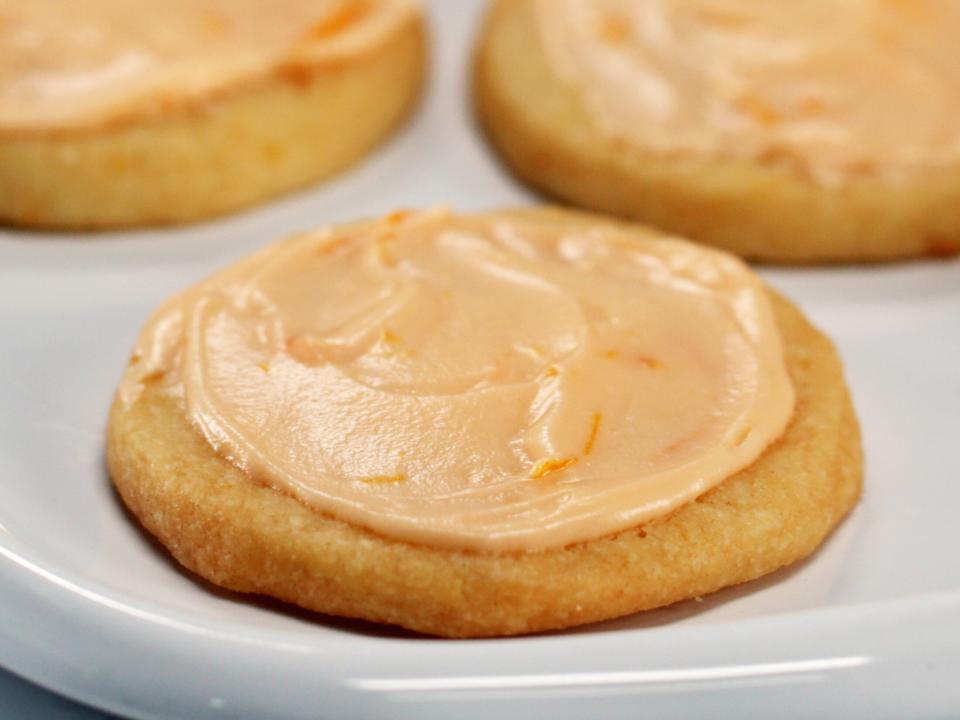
(228, 519)
(110, 121)
(749, 127)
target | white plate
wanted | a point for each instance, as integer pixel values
(869, 627)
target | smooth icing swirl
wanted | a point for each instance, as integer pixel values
(489, 382)
(832, 89)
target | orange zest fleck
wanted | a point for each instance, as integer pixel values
(650, 362)
(646, 360)
(759, 110)
(812, 106)
(153, 375)
(339, 20)
(550, 465)
(265, 366)
(397, 217)
(328, 246)
(390, 344)
(594, 429)
(384, 479)
(304, 349)
(613, 30)
(552, 371)
(272, 152)
(214, 24)
(723, 18)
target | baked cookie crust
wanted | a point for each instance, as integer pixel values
(759, 211)
(241, 535)
(227, 151)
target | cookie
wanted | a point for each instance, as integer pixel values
(382, 421)
(781, 132)
(141, 113)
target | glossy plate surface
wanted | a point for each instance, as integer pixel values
(89, 607)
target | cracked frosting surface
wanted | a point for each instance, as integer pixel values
(82, 62)
(492, 382)
(830, 88)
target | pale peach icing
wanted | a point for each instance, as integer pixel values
(484, 382)
(832, 89)
(64, 64)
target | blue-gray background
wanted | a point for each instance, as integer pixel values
(21, 699)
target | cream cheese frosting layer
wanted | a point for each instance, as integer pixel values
(487, 382)
(67, 64)
(830, 88)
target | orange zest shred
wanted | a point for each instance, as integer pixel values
(340, 19)
(397, 216)
(552, 371)
(812, 106)
(650, 362)
(329, 245)
(304, 349)
(759, 109)
(214, 24)
(550, 465)
(384, 479)
(390, 344)
(613, 30)
(153, 375)
(592, 437)
(723, 18)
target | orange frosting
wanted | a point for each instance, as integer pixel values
(830, 88)
(67, 64)
(485, 382)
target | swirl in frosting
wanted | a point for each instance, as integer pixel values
(832, 89)
(86, 62)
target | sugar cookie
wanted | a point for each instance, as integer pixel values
(116, 114)
(793, 132)
(484, 424)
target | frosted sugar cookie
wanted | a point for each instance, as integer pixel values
(484, 424)
(795, 132)
(142, 112)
